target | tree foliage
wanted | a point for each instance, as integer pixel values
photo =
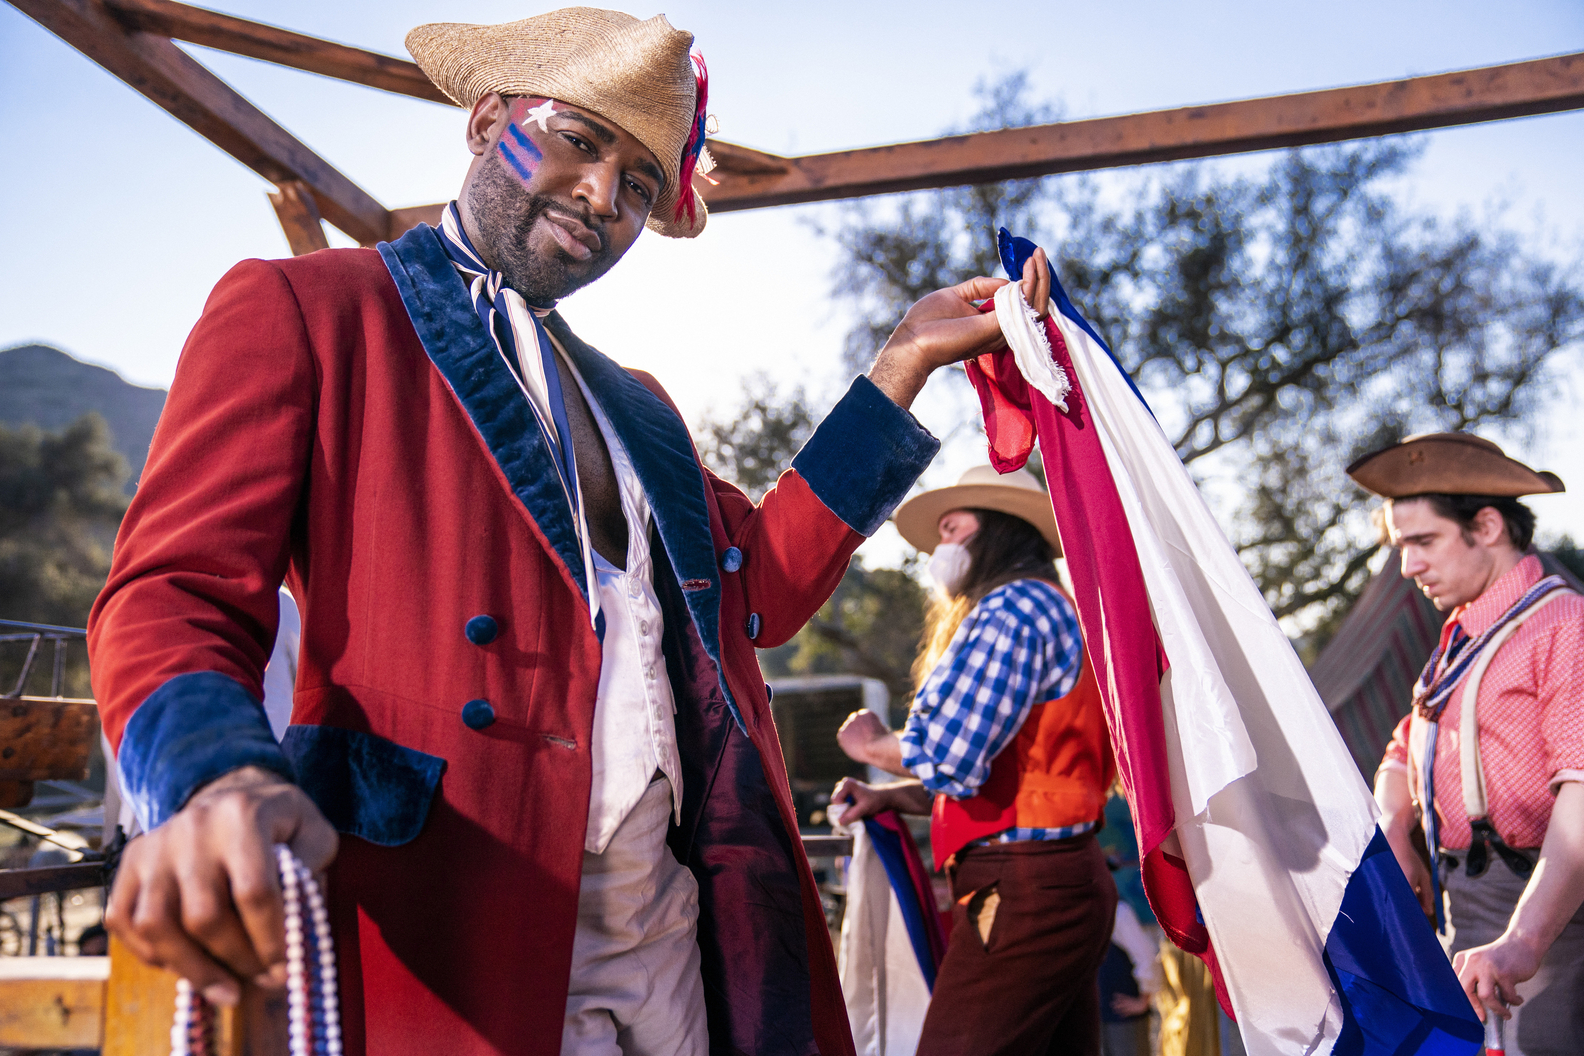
(1280, 324)
(60, 505)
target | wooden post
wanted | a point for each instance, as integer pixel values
(299, 218)
(140, 1005)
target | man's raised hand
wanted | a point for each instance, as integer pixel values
(948, 326)
(200, 895)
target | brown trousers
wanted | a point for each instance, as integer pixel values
(1029, 930)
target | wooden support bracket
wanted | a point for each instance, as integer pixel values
(299, 218)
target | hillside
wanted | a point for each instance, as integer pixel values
(46, 387)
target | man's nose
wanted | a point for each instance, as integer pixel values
(599, 188)
(1412, 564)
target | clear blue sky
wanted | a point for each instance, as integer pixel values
(121, 219)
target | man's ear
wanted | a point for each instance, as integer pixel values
(484, 122)
(1490, 528)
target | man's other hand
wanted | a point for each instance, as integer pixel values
(1490, 974)
(200, 895)
(947, 326)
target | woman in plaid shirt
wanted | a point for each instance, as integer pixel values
(1006, 747)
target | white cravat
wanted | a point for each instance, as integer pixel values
(634, 711)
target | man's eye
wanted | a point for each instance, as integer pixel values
(640, 190)
(578, 142)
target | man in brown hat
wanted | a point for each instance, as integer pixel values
(1491, 758)
(530, 742)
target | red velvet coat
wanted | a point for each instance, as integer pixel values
(344, 421)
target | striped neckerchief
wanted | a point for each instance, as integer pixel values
(530, 355)
(1452, 659)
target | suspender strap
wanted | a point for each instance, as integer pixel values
(1474, 797)
(1475, 800)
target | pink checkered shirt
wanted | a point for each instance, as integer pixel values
(1531, 717)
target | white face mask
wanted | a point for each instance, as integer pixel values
(947, 567)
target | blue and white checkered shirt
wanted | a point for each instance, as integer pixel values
(1019, 646)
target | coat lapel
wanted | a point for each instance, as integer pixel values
(466, 356)
(662, 454)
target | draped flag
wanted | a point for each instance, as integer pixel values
(1261, 853)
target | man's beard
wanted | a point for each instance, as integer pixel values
(506, 213)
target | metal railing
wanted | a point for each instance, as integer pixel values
(36, 634)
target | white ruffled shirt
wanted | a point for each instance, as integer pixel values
(634, 711)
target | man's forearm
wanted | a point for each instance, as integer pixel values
(1556, 890)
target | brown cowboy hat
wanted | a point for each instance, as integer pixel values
(1449, 464)
(981, 488)
(637, 74)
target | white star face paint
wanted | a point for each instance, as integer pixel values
(542, 113)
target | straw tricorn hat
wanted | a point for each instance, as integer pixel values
(635, 73)
(981, 488)
(1449, 464)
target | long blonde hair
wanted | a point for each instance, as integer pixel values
(1005, 548)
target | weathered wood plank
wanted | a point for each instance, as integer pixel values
(140, 1004)
(256, 40)
(45, 739)
(53, 1002)
(192, 94)
(17, 883)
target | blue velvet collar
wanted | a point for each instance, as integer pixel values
(657, 441)
(466, 356)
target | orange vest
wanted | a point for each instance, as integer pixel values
(1054, 773)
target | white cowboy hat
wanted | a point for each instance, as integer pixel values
(981, 488)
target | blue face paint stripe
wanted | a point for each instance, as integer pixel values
(518, 139)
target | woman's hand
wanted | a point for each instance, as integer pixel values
(865, 739)
(856, 800)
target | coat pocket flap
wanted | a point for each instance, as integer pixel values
(366, 786)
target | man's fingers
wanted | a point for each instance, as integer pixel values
(1036, 283)
(208, 918)
(978, 288)
(156, 920)
(260, 912)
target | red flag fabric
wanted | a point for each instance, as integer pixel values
(1113, 610)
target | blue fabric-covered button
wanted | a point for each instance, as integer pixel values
(481, 630)
(753, 625)
(477, 714)
(731, 559)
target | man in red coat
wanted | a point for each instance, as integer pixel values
(529, 614)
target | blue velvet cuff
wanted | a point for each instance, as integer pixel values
(194, 728)
(366, 786)
(864, 457)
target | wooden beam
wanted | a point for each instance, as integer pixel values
(256, 40)
(42, 879)
(751, 180)
(191, 93)
(299, 218)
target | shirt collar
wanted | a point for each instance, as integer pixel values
(1477, 616)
